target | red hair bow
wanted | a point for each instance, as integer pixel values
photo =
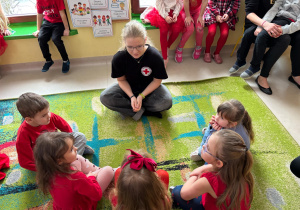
(137, 161)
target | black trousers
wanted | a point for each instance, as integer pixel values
(55, 32)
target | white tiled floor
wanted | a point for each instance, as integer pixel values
(94, 73)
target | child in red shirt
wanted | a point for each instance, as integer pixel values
(228, 172)
(138, 186)
(38, 119)
(72, 185)
(52, 23)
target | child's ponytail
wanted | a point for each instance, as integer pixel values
(236, 169)
(247, 123)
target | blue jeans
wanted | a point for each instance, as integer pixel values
(116, 99)
(178, 202)
(247, 40)
(209, 130)
(278, 46)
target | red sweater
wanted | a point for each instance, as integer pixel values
(28, 134)
(50, 9)
(219, 187)
(76, 191)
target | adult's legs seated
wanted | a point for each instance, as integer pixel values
(116, 99)
(159, 100)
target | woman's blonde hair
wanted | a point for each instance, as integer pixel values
(3, 20)
(141, 189)
(134, 29)
(236, 171)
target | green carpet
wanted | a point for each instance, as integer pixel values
(169, 140)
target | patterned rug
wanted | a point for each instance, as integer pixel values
(169, 140)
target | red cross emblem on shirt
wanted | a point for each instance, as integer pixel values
(146, 71)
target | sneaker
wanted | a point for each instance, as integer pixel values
(248, 73)
(195, 156)
(88, 150)
(66, 67)
(217, 58)
(203, 130)
(207, 58)
(154, 114)
(178, 55)
(235, 68)
(197, 52)
(47, 65)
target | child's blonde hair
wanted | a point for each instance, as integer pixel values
(3, 20)
(141, 189)
(236, 169)
(234, 111)
(134, 29)
(49, 148)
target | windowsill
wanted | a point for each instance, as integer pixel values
(147, 25)
(25, 30)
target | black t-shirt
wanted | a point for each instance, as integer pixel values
(139, 75)
(259, 7)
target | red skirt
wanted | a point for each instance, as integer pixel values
(159, 22)
(3, 45)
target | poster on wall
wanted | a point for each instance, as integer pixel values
(99, 4)
(102, 24)
(80, 12)
(119, 9)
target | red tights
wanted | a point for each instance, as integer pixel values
(224, 30)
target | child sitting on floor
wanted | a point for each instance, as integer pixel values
(37, 119)
(139, 185)
(73, 181)
(225, 183)
(230, 115)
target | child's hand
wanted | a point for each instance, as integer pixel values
(212, 120)
(168, 19)
(216, 126)
(202, 169)
(66, 32)
(219, 19)
(36, 34)
(6, 32)
(257, 31)
(225, 17)
(188, 20)
(174, 18)
(201, 20)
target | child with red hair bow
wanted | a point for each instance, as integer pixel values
(139, 185)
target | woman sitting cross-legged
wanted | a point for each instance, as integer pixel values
(139, 69)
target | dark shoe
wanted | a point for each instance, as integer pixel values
(291, 79)
(47, 65)
(171, 189)
(154, 114)
(66, 67)
(88, 150)
(265, 90)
